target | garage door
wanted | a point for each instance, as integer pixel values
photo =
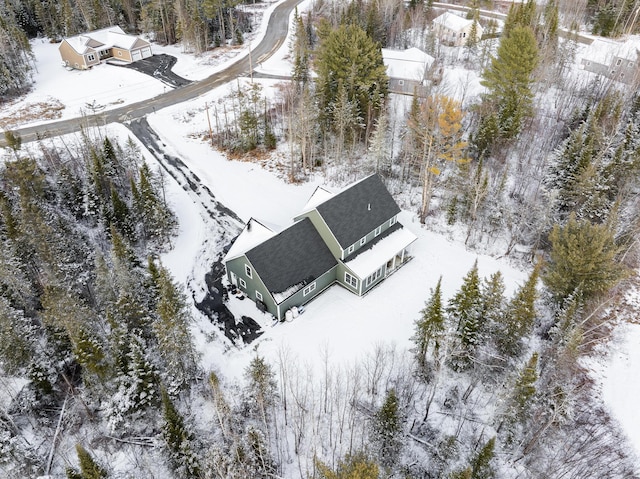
(146, 52)
(136, 55)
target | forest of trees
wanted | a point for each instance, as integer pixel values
(540, 169)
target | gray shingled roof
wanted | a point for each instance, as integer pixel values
(297, 255)
(358, 210)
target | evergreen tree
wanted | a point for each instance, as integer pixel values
(386, 430)
(261, 387)
(519, 318)
(430, 329)
(379, 147)
(583, 258)
(347, 56)
(481, 467)
(171, 329)
(300, 49)
(352, 466)
(508, 80)
(465, 310)
(178, 440)
(525, 388)
(89, 468)
(17, 339)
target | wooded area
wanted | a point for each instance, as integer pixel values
(540, 169)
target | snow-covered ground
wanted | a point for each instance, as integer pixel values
(337, 323)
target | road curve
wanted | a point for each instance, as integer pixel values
(274, 37)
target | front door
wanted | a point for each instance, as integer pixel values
(234, 279)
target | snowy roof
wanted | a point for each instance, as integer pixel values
(252, 235)
(452, 21)
(604, 51)
(320, 195)
(291, 259)
(408, 64)
(109, 37)
(367, 262)
(358, 209)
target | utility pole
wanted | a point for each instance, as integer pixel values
(206, 105)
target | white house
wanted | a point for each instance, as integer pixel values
(406, 69)
(454, 30)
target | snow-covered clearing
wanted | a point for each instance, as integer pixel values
(338, 324)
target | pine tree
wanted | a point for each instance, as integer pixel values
(17, 339)
(300, 49)
(379, 146)
(171, 329)
(525, 388)
(347, 56)
(508, 79)
(465, 309)
(583, 258)
(429, 329)
(481, 467)
(261, 387)
(89, 468)
(178, 439)
(519, 318)
(352, 466)
(386, 430)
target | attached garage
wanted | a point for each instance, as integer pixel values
(136, 55)
(146, 52)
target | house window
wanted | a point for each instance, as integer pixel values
(392, 221)
(258, 295)
(378, 230)
(619, 62)
(247, 271)
(400, 82)
(91, 57)
(309, 289)
(464, 34)
(243, 283)
(588, 64)
(630, 64)
(613, 72)
(374, 276)
(363, 240)
(351, 248)
(351, 280)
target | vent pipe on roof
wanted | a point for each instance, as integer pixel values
(369, 207)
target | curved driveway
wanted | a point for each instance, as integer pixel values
(274, 37)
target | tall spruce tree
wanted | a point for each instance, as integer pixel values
(89, 468)
(429, 330)
(178, 440)
(386, 430)
(508, 80)
(465, 310)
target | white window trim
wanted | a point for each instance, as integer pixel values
(378, 231)
(91, 57)
(259, 296)
(374, 277)
(248, 271)
(351, 248)
(392, 221)
(309, 289)
(401, 82)
(243, 283)
(351, 280)
(363, 240)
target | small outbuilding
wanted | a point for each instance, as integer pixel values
(89, 49)
(453, 30)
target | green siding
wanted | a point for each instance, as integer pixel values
(298, 299)
(253, 284)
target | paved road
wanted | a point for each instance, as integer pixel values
(272, 41)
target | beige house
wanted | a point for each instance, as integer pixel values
(454, 30)
(89, 49)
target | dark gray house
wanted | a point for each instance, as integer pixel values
(351, 238)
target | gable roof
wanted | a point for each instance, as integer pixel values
(291, 259)
(452, 21)
(358, 210)
(408, 64)
(105, 38)
(254, 233)
(604, 51)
